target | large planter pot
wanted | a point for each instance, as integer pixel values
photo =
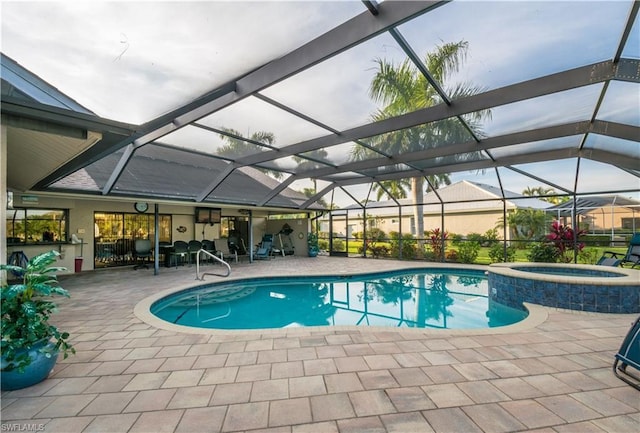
(313, 252)
(40, 367)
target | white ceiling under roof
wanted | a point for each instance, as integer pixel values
(250, 103)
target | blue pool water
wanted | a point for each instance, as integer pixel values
(414, 299)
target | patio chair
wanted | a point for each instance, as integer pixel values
(629, 356)
(235, 244)
(632, 255)
(194, 248)
(210, 247)
(141, 252)
(179, 253)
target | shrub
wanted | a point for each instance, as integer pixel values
(475, 237)
(468, 252)
(338, 244)
(408, 245)
(451, 256)
(543, 252)
(490, 238)
(456, 239)
(497, 253)
(588, 256)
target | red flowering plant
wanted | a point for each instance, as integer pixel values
(437, 239)
(565, 240)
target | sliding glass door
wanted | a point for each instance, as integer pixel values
(115, 234)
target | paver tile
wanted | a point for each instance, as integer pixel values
(374, 402)
(371, 424)
(532, 414)
(492, 417)
(281, 370)
(343, 382)
(112, 423)
(568, 408)
(214, 376)
(446, 395)
(66, 405)
(157, 422)
(351, 363)
(379, 362)
(151, 400)
(316, 427)
(270, 390)
(202, 420)
(231, 393)
(194, 396)
(25, 408)
(314, 367)
(410, 376)
(289, 412)
(178, 363)
(331, 407)
(183, 378)
(377, 379)
(108, 403)
(443, 374)
(306, 386)
(450, 420)
(410, 399)
(248, 416)
(482, 391)
(146, 381)
(60, 425)
(405, 423)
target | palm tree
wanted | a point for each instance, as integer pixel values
(402, 89)
(542, 191)
(392, 189)
(237, 147)
(305, 164)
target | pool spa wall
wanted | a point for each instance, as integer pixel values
(576, 287)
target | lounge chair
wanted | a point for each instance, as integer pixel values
(608, 261)
(629, 356)
(264, 250)
(632, 256)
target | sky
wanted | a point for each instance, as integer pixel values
(133, 61)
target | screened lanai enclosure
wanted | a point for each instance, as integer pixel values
(403, 124)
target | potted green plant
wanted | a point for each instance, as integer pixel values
(312, 244)
(30, 344)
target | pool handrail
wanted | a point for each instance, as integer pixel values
(208, 253)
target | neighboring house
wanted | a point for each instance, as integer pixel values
(470, 207)
(601, 214)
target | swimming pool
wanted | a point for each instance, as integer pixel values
(414, 298)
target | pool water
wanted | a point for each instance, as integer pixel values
(446, 299)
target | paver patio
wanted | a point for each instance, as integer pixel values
(550, 373)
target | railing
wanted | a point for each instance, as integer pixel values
(201, 277)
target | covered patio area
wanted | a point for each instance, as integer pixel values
(549, 373)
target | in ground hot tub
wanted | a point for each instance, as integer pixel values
(577, 287)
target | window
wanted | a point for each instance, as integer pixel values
(36, 226)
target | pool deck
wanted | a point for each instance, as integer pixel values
(549, 373)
